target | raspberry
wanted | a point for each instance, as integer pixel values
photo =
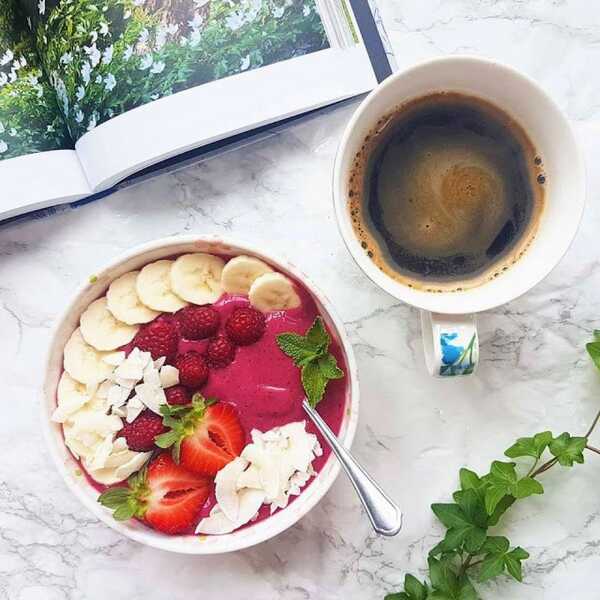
(177, 395)
(160, 338)
(193, 370)
(198, 322)
(245, 326)
(220, 351)
(140, 434)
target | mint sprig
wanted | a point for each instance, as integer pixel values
(469, 552)
(311, 354)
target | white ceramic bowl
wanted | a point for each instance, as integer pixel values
(70, 469)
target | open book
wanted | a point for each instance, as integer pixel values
(94, 91)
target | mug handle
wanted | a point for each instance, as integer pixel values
(450, 342)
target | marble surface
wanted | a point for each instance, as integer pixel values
(414, 432)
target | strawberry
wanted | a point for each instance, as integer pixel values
(193, 370)
(220, 351)
(177, 395)
(198, 322)
(167, 496)
(140, 433)
(245, 326)
(205, 436)
(160, 338)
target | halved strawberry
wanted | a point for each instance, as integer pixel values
(204, 435)
(166, 495)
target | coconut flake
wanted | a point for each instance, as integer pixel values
(169, 376)
(226, 491)
(152, 396)
(134, 408)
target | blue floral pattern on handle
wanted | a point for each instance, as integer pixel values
(457, 360)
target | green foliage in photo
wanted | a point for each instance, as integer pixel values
(30, 120)
(105, 57)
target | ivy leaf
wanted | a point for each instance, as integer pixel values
(530, 446)
(464, 526)
(491, 567)
(443, 578)
(414, 589)
(504, 504)
(593, 349)
(527, 487)
(567, 449)
(513, 562)
(496, 544)
(469, 480)
(503, 481)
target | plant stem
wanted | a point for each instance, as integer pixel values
(533, 466)
(466, 564)
(593, 449)
(474, 564)
(544, 467)
(593, 425)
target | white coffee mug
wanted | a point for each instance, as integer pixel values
(448, 322)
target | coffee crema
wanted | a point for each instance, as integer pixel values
(446, 192)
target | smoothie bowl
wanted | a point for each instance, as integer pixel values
(173, 391)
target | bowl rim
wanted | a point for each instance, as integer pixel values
(267, 528)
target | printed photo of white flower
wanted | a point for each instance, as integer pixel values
(106, 57)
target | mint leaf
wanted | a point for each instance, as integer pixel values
(310, 353)
(328, 367)
(297, 347)
(567, 449)
(530, 446)
(593, 349)
(317, 335)
(313, 382)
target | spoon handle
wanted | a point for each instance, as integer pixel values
(384, 514)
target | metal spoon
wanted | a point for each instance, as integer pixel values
(383, 512)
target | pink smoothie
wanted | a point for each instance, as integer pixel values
(264, 384)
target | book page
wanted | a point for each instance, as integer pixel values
(143, 80)
(38, 165)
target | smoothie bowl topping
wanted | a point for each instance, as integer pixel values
(182, 388)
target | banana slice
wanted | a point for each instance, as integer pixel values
(71, 396)
(273, 291)
(100, 329)
(197, 277)
(83, 362)
(153, 286)
(124, 303)
(240, 272)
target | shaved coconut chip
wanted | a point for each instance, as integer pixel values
(226, 487)
(101, 453)
(120, 444)
(87, 429)
(218, 523)
(120, 412)
(169, 376)
(91, 389)
(114, 358)
(151, 375)
(250, 478)
(160, 361)
(124, 382)
(120, 465)
(152, 396)
(117, 396)
(134, 408)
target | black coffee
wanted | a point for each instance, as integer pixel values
(446, 192)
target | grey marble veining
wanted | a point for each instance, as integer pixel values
(414, 432)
